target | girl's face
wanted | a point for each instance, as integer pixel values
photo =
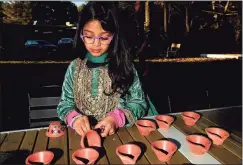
(98, 45)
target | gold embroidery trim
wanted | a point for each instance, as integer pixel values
(101, 104)
(75, 85)
(80, 67)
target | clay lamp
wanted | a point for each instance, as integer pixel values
(42, 157)
(85, 156)
(164, 149)
(218, 135)
(190, 118)
(91, 138)
(145, 127)
(198, 144)
(128, 153)
(164, 121)
(55, 129)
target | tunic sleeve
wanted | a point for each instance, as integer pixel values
(136, 104)
(67, 102)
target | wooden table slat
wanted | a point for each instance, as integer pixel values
(74, 143)
(12, 142)
(59, 146)
(2, 137)
(218, 152)
(177, 158)
(149, 153)
(41, 141)
(126, 138)
(232, 147)
(29, 141)
(111, 143)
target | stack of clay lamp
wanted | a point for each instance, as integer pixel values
(129, 153)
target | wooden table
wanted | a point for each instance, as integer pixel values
(25, 142)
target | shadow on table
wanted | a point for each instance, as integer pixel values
(58, 154)
(142, 147)
(14, 157)
(101, 151)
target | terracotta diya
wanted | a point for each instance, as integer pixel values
(128, 153)
(218, 135)
(85, 156)
(92, 138)
(164, 121)
(145, 127)
(42, 157)
(190, 118)
(164, 149)
(198, 144)
(55, 129)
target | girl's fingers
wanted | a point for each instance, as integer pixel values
(87, 125)
(98, 125)
(79, 130)
(106, 130)
(111, 132)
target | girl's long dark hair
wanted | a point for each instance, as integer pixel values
(120, 66)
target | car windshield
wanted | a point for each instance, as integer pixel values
(43, 42)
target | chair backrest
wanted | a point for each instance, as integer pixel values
(173, 50)
(42, 105)
(175, 46)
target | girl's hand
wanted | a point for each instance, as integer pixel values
(81, 125)
(107, 125)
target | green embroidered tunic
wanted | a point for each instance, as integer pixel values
(83, 90)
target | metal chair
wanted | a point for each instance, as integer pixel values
(42, 109)
(173, 50)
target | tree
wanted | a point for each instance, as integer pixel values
(126, 16)
(1, 29)
(80, 7)
(222, 12)
(18, 12)
(54, 12)
(1, 12)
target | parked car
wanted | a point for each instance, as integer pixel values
(39, 48)
(65, 41)
(42, 44)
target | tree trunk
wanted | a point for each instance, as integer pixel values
(165, 17)
(226, 6)
(215, 15)
(147, 15)
(213, 9)
(187, 21)
(137, 6)
(237, 35)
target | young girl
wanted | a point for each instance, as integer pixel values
(104, 85)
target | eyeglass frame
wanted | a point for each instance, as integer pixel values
(82, 37)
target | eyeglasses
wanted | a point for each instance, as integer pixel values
(91, 39)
